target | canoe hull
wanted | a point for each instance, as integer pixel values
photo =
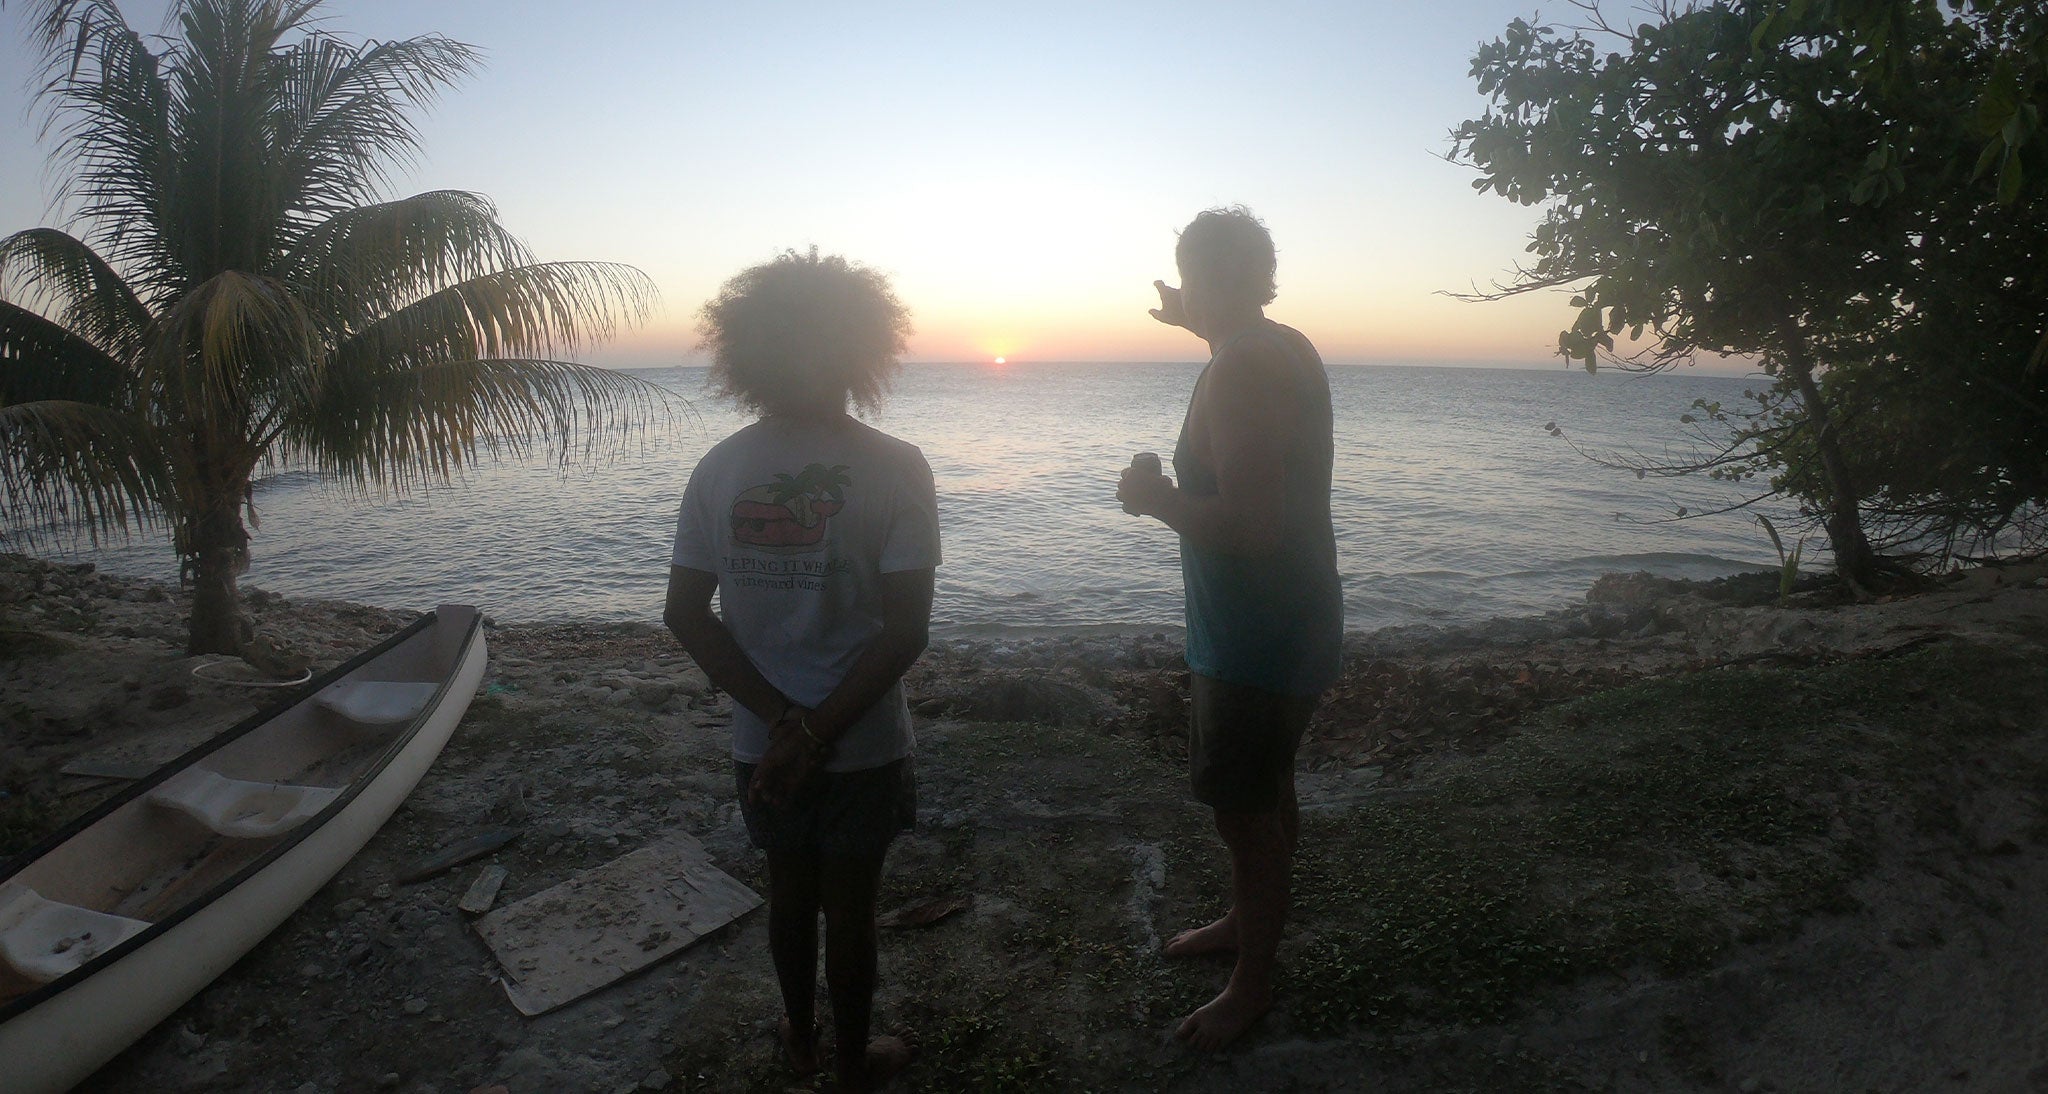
(56, 1044)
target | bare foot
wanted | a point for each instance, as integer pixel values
(1223, 1019)
(1217, 937)
(886, 1058)
(803, 1058)
(889, 1055)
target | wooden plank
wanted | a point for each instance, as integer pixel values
(483, 892)
(605, 924)
(97, 768)
(457, 853)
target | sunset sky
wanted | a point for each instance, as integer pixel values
(1018, 169)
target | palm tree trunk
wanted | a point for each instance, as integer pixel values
(216, 553)
(1855, 562)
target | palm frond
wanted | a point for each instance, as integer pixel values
(232, 347)
(226, 80)
(65, 30)
(369, 261)
(406, 427)
(69, 468)
(109, 107)
(41, 360)
(537, 311)
(61, 276)
(347, 113)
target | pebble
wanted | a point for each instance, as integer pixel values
(349, 907)
(657, 1079)
(381, 892)
(415, 1006)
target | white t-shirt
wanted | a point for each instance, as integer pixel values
(799, 519)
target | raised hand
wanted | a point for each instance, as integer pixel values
(1169, 310)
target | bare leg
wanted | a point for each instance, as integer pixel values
(1261, 853)
(1221, 936)
(848, 892)
(793, 944)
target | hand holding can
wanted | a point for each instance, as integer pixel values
(1144, 463)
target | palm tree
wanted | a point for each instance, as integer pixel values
(239, 298)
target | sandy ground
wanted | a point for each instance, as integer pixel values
(1052, 806)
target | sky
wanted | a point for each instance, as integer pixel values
(1019, 170)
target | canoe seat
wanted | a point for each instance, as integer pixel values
(377, 702)
(239, 808)
(43, 940)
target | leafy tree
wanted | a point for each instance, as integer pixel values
(2013, 90)
(1708, 191)
(239, 298)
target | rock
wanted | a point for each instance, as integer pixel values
(1032, 697)
(483, 892)
(190, 1040)
(272, 656)
(348, 907)
(15, 588)
(657, 1079)
(653, 693)
(1634, 589)
(414, 1006)
(510, 803)
(692, 681)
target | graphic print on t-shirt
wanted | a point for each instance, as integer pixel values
(789, 515)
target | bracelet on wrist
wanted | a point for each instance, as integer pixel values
(803, 722)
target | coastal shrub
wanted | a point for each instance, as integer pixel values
(1727, 179)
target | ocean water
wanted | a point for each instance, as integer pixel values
(1452, 502)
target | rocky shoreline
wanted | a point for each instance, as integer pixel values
(592, 740)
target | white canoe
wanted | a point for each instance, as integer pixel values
(114, 922)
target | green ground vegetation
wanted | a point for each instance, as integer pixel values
(1644, 831)
(1656, 825)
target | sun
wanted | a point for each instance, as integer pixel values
(1002, 360)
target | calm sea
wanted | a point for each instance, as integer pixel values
(1452, 502)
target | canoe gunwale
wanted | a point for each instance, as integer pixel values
(27, 1001)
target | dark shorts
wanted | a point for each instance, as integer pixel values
(844, 814)
(1241, 744)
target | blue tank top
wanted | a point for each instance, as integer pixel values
(1274, 622)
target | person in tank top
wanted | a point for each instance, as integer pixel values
(1264, 602)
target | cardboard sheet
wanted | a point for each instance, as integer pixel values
(605, 924)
